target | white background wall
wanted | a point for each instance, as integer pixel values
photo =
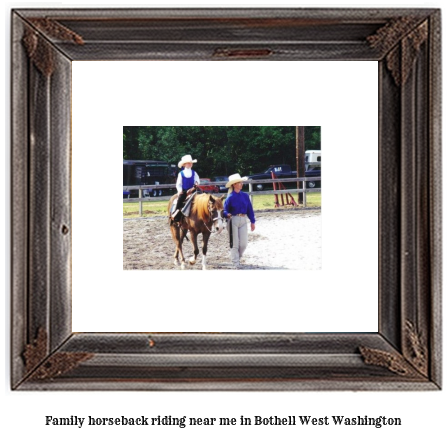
(344, 104)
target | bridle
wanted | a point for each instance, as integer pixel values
(211, 211)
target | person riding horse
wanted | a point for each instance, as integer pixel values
(187, 180)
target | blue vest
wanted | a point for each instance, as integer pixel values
(187, 183)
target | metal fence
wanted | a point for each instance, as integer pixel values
(163, 187)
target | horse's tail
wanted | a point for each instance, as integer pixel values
(169, 212)
(185, 234)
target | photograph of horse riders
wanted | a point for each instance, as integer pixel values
(184, 185)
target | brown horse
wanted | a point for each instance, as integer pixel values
(205, 214)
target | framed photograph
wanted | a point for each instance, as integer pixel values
(49, 352)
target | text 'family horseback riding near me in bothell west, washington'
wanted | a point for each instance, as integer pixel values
(186, 421)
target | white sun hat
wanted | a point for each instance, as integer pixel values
(186, 159)
(233, 179)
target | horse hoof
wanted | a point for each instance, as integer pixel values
(183, 266)
(204, 268)
(192, 262)
(176, 262)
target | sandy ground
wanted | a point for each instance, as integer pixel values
(283, 239)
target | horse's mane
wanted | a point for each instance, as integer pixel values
(200, 206)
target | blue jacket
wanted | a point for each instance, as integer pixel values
(239, 203)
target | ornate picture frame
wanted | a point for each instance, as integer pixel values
(405, 353)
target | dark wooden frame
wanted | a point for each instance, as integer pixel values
(405, 354)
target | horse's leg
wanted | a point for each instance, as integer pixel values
(178, 239)
(182, 233)
(206, 236)
(193, 237)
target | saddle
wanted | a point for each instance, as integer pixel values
(187, 206)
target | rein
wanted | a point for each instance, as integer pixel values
(213, 220)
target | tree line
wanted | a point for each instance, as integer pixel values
(219, 150)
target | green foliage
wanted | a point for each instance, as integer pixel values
(312, 137)
(219, 150)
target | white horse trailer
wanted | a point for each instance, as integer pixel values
(312, 159)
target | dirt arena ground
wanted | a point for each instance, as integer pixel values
(283, 239)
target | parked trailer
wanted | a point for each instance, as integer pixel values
(313, 167)
(313, 159)
(147, 172)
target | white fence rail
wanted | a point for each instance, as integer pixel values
(160, 187)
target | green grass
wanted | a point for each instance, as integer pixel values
(152, 208)
(264, 202)
(260, 202)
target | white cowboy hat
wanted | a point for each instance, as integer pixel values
(233, 179)
(186, 159)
